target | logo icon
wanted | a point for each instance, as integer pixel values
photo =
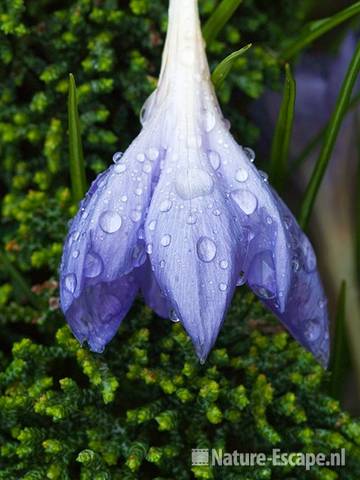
(200, 456)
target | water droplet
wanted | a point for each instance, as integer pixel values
(322, 303)
(173, 316)
(93, 265)
(166, 240)
(261, 275)
(138, 255)
(117, 157)
(210, 120)
(149, 248)
(214, 159)
(138, 192)
(241, 280)
(269, 220)
(227, 124)
(147, 167)
(224, 264)
(249, 152)
(124, 198)
(309, 255)
(246, 201)
(75, 236)
(195, 183)
(140, 157)
(191, 220)
(241, 175)
(223, 287)
(135, 216)
(287, 222)
(70, 282)
(312, 330)
(153, 153)
(162, 264)
(120, 168)
(216, 212)
(264, 175)
(295, 264)
(165, 205)
(75, 253)
(152, 225)
(110, 222)
(206, 249)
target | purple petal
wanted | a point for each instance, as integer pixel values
(106, 241)
(195, 256)
(149, 287)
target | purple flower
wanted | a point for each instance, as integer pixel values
(184, 217)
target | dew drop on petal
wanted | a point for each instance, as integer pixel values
(173, 316)
(70, 282)
(75, 253)
(210, 120)
(165, 205)
(246, 200)
(140, 157)
(147, 167)
(312, 330)
(135, 216)
(165, 240)
(124, 198)
(206, 249)
(241, 175)
(110, 222)
(216, 212)
(162, 264)
(261, 275)
(223, 287)
(295, 264)
(152, 225)
(224, 264)
(93, 265)
(241, 280)
(214, 159)
(196, 183)
(120, 168)
(264, 175)
(138, 192)
(149, 248)
(153, 153)
(117, 157)
(191, 220)
(249, 152)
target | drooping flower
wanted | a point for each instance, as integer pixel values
(184, 217)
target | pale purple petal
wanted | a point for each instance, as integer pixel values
(150, 289)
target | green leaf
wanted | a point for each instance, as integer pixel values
(77, 166)
(223, 69)
(219, 18)
(357, 203)
(19, 282)
(316, 29)
(332, 131)
(340, 354)
(283, 132)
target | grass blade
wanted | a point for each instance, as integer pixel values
(332, 131)
(357, 203)
(77, 166)
(316, 29)
(340, 355)
(223, 69)
(19, 282)
(219, 18)
(283, 132)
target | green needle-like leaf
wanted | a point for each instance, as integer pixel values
(219, 18)
(340, 354)
(283, 132)
(77, 166)
(330, 138)
(19, 282)
(223, 69)
(316, 29)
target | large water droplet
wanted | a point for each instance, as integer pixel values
(312, 330)
(173, 316)
(214, 159)
(241, 175)
(206, 249)
(246, 200)
(194, 183)
(117, 157)
(70, 282)
(165, 205)
(110, 222)
(250, 154)
(93, 265)
(120, 168)
(165, 240)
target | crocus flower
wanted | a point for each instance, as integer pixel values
(184, 217)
